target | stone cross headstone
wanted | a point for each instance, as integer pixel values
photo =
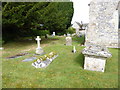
(38, 41)
(39, 50)
(68, 40)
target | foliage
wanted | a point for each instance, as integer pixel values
(40, 32)
(28, 16)
(70, 30)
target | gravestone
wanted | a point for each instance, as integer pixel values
(74, 50)
(95, 57)
(64, 35)
(53, 34)
(68, 40)
(103, 23)
(1, 48)
(39, 50)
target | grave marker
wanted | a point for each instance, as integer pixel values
(53, 34)
(68, 40)
(39, 50)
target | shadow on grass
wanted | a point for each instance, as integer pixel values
(80, 60)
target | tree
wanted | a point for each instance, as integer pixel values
(22, 18)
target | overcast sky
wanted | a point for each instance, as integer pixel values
(81, 11)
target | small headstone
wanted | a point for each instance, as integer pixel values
(64, 35)
(53, 34)
(1, 48)
(68, 40)
(39, 50)
(68, 35)
(74, 50)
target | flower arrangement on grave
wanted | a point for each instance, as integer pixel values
(44, 60)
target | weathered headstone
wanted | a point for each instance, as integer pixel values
(39, 50)
(95, 57)
(103, 23)
(68, 40)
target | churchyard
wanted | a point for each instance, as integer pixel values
(66, 71)
(37, 53)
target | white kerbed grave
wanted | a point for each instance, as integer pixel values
(45, 60)
(95, 57)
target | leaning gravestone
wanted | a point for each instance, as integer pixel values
(68, 40)
(39, 50)
(95, 57)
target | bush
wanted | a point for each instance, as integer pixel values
(43, 32)
(40, 32)
(70, 30)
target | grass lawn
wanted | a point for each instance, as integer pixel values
(66, 71)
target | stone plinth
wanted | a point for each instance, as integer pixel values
(68, 41)
(39, 51)
(95, 57)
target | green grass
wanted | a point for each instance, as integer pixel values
(66, 71)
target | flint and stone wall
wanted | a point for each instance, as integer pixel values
(103, 23)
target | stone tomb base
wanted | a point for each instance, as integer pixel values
(39, 51)
(95, 57)
(94, 63)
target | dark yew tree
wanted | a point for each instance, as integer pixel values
(20, 19)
